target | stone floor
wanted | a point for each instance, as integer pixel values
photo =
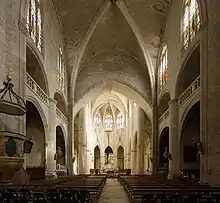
(113, 192)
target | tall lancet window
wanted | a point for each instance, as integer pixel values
(190, 21)
(97, 121)
(163, 69)
(34, 22)
(108, 119)
(120, 120)
(61, 70)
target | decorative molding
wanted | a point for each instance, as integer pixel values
(162, 6)
(22, 27)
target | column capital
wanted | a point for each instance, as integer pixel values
(53, 101)
(173, 101)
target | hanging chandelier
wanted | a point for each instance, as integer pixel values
(10, 102)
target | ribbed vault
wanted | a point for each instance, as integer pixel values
(92, 27)
(116, 66)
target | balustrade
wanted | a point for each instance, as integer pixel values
(164, 116)
(189, 91)
(31, 83)
(61, 116)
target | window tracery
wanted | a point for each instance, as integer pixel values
(163, 69)
(34, 23)
(97, 121)
(191, 21)
(61, 70)
(108, 120)
(120, 120)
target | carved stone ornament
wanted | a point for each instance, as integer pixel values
(22, 27)
(161, 6)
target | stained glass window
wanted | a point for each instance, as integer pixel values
(108, 120)
(97, 121)
(61, 70)
(34, 22)
(191, 21)
(163, 69)
(120, 120)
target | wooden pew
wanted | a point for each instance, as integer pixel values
(152, 187)
(91, 184)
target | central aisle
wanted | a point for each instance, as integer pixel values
(113, 192)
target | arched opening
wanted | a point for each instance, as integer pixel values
(163, 149)
(163, 105)
(35, 70)
(60, 147)
(190, 71)
(108, 155)
(190, 160)
(35, 161)
(60, 103)
(97, 162)
(120, 158)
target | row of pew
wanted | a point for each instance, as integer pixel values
(76, 189)
(149, 189)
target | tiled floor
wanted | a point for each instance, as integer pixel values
(113, 192)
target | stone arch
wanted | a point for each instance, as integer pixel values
(140, 40)
(35, 68)
(97, 158)
(108, 152)
(61, 103)
(187, 109)
(163, 103)
(60, 146)
(116, 66)
(35, 131)
(189, 159)
(120, 158)
(163, 144)
(187, 75)
(89, 34)
(105, 98)
(39, 109)
(102, 87)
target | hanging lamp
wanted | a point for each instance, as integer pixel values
(10, 102)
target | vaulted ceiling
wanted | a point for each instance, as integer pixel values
(130, 26)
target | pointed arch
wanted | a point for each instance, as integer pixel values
(108, 118)
(89, 34)
(139, 38)
(86, 40)
(97, 157)
(120, 158)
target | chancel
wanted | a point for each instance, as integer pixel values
(109, 100)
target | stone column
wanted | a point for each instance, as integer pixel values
(154, 152)
(51, 138)
(133, 140)
(140, 141)
(88, 124)
(70, 143)
(210, 97)
(173, 138)
(82, 142)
